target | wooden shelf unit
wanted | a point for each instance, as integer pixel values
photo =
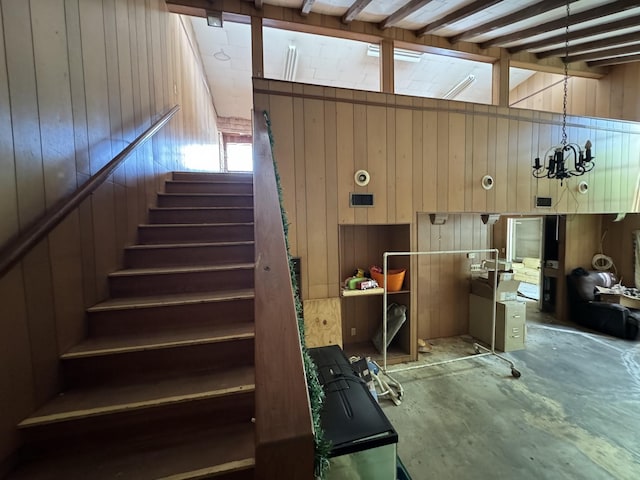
(360, 247)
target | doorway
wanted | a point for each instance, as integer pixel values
(524, 251)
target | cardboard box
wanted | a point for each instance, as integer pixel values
(507, 288)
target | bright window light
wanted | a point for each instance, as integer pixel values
(201, 157)
(239, 157)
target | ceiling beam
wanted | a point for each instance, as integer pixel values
(522, 14)
(456, 16)
(594, 45)
(258, 4)
(402, 13)
(614, 61)
(612, 52)
(354, 10)
(593, 14)
(578, 34)
(306, 6)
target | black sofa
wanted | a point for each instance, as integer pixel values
(586, 309)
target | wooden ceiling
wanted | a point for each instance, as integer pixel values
(601, 33)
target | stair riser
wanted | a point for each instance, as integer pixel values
(144, 424)
(200, 255)
(212, 177)
(158, 363)
(186, 200)
(184, 282)
(217, 187)
(195, 234)
(136, 320)
(201, 216)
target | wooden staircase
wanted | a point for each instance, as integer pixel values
(163, 386)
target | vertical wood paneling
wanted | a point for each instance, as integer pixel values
(24, 110)
(54, 102)
(316, 197)
(345, 160)
(433, 171)
(376, 127)
(331, 176)
(78, 80)
(404, 166)
(36, 268)
(8, 187)
(16, 374)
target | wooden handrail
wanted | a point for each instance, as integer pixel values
(13, 251)
(284, 430)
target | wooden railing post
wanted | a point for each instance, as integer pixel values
(284, 431)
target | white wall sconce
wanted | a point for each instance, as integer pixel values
(438, 218)
(487, 182)
(362, 178)
(489, 218)
(583, 187)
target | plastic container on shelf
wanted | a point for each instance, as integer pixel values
(395, 278)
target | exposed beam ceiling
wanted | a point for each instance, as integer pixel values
(592, 14)
(456, 16)
(578, 34)
(354, 10)
(465, 27)
(595, 45)
(306, 6)
(614, 61)
(403, 12)
(522, 14)
(612, 52)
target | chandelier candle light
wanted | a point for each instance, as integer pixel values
(557, 160)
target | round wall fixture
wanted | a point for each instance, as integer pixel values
(362, 178)
(583, 187)
(487, 182)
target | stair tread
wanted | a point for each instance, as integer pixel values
(127, 272)
(242, 181)
(186, 245)
(201, 208)
(170, 300)
(191, 455)
(194, 225)
(195, 335)
(200, 194)
(86, 402)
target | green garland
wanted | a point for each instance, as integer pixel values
(316, 394)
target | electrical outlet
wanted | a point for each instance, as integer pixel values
(476, 267)
(353, 332)
(471, 255)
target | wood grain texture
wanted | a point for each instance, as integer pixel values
(283, 414)
(78, 81)
(323, 322)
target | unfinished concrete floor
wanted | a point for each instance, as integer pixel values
(574, 413)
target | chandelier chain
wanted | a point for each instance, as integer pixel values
(566, 80)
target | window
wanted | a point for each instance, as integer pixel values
(319, 60)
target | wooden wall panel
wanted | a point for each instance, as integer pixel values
(618, 244)
(443, 280)
(79, 80)
(449, 143)
(613, 96)
(16, 381)
(8, 187)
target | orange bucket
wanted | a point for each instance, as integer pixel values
(395, 278)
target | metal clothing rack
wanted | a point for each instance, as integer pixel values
(477, 347)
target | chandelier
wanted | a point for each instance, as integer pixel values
(566, 159)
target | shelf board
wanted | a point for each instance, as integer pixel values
(370, 291)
